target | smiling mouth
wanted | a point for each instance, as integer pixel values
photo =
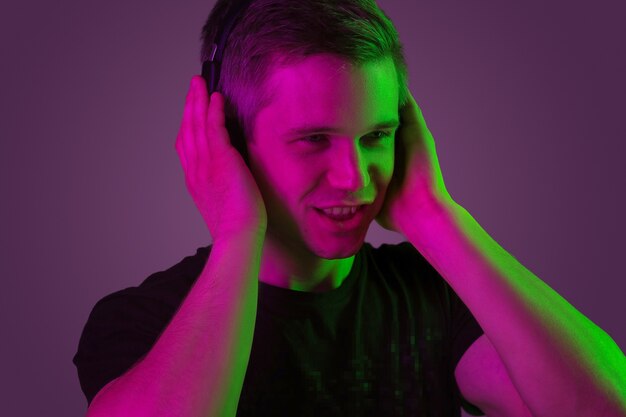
(341, 213)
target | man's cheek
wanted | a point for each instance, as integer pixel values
(386, 166)
(383, 175)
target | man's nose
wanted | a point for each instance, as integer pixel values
(348, 168)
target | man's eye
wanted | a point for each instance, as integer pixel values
(379, 135)
(314, 139)
(376, 136)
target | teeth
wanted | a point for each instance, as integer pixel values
(340, 211)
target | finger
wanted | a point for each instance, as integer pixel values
(411, 116)
(410, 113)
(200, 104)
(185, 139)
(216, 127)
(180, 146)
(182, 138)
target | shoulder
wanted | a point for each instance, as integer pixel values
(123, 325)
(402, 265)
(145, 308)
(162, 289)
(182, 274)
(399, 259)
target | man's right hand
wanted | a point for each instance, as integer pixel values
(216, 175)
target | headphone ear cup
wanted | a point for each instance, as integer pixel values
(210, 73)
(211, 69)
(237, 138)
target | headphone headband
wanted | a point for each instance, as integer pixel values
(211, 64)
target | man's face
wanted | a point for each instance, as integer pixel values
(349, 163)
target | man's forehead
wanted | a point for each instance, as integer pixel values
(328, 91)
(324, 62)
(313, 73)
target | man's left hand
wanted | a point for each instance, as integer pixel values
(416, 188)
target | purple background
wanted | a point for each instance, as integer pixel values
(526, 103)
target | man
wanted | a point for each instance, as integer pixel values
(288, 312)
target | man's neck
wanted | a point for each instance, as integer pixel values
(300, 270)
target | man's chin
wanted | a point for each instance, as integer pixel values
(339, 249)
(321, 245)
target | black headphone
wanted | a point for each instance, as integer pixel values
(212, 65)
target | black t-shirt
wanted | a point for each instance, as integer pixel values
(384, 343)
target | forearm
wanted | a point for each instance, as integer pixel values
(561, 363)
(198, 364)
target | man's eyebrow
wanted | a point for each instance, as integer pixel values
(305, 130)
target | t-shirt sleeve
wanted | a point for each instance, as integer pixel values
(121, 329)
(464, 330)
(461, 326)
(123, 326)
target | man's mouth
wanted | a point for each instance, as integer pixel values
(341, 214)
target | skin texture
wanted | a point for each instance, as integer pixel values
(297, 173)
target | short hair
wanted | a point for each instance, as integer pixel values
(284, 32)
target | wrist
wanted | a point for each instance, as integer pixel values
(426, 223)
(427, 210)
(241, 235)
